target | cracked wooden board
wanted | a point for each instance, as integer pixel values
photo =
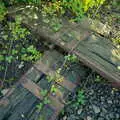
(51, 62)
(33, 13)
(94, 51)
(14, 100)
(24, 99)
(29, 86)
(65, 83)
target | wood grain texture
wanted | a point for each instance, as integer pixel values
(95, 51)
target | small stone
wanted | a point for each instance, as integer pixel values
(102, 114)
(79, 111)
(101, 118)
(107, 117)
(89, 118)
(72, 117)
(22, 115)
(65, 118)
(4, 91)
(109, 101)
(117, 116)
(90, 107)
(62, 43)
(91, 92)
(102, 99)
(96, 109)
(53, 94)
(21, 65)
(102, 103)
(111, 115)
(104, 110)
(118, 67)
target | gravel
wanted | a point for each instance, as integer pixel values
(102, 103)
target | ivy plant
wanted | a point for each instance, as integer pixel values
(16, 48)
(3, 11)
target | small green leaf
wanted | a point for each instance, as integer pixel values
(39, 106)
(43, 92)
(9, 59)
(46, 101)
(1, 57)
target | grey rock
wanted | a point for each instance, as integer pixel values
(109, 101)
(90, 107)
(65, 118)
(96, 109)
(100, 118)
(111, 115)
(79, 111)
(89, 118)
(117, 116)
(115, 109)
(72, 117)
(107, 117)
(104, 110)
(102, 99)
(102, 103)
(91, 92)
(102, 114)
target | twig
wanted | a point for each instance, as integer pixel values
(6, 67)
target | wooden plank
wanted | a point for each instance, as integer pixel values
(34, 75)
(21, 96)
(110, 70)
(31, 87)
(96, 52)
(36, 91)
(15, 98)
(86, 23)
(18, 108)
(55, 60)
(33, 90)
(21, 110)
(5, 101)
(65, 83)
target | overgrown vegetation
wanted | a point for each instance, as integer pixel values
(71, 58)
(15, 48)
(59, 7)
(12, 2)
(3, 11)
(77, 7)
(57, 78)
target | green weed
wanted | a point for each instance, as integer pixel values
(71, 58)
(3, 11)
